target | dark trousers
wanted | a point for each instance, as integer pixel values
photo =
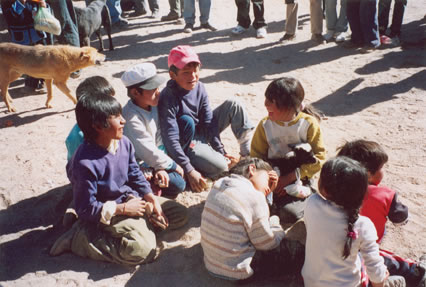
(243, 16)
(64, 12)
(398, 15)
(362, 17)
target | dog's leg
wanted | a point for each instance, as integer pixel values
(101, 43)
(4, 89)
(49, 92)
(106, 22)
(64, 89)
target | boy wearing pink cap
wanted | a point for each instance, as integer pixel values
(190, 128)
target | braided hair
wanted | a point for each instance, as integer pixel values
(345, 183)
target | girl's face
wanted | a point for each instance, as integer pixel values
(115, 129)
(376, 177)
(260, 180)
(277, 114)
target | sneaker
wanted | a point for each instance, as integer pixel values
(421, 268)
(238, 30)
(340, 37)
(328, 36)
(395, 281)
(180, 21)
(188, 28)
(208, 27)
(155, 15)
(245, 142)
(396, 41)
(317, 38)
(137, 13)
(385, 40)
(170, 17)
(261, 33)
(121, 23)
(287, 37)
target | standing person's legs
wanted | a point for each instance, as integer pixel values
(342, 21)
(291, 18)
(258, 11)
(397, 17)
(140, 8)
(204, 10)
(153, 6)
(369, 23)
(316, 17)
(64, 12)
(189, 11)
(231, 112)
(243, 14)
(331, 14)
(353, 14)
(384, 9)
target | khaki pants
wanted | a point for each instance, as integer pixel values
(127, 240)
(316, 17)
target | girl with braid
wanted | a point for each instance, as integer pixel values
(339, 240)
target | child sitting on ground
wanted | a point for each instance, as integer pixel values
(235, 224)
(381, 203)
(190, 129)
(142, 128)
(118, 213)
(89, 86)
(289, 122)
(333, 225)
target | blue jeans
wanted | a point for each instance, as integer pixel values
(194, 143)
(334, 23)
(398, 15)
(362, 17)
(243, 14)
(189, 11)
(114, 10)
(176, 185)
(64, 12)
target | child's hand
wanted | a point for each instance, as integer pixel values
(135, 206)
(283, 181)
(273, 179)
(179, 170)
(162, 178)
(381, 284)
(158, 218)
(232, 160)
(197, 181)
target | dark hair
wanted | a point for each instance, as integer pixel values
(129, 94)
(175, 69)
(242, 167)
(93, 110)
(94, 84)
(288, 92)
(369, 153)
(345, 183)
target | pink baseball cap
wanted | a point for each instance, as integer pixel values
(179, 56)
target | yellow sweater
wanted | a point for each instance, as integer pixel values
(271, 140)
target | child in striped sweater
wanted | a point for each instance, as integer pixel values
(235, 222)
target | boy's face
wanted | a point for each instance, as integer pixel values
(146, 99)
(376, 177)
(115, 129)
(188, 76)
(260, 180)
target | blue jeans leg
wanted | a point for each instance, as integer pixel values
(64, 12)
(186, 131)
(114, 10)
(206, 160)
(204, 10)
(176, 185)
(331, 14)
(231, 112)
(369, 23)
(189, 11)
(342, 20)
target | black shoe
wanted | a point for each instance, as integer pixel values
(75, 74)
(170, 17)
(287, 37)
(208, 27)
(318, 39)
(188, 28)
(138, 13)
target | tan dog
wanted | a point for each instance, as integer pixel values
(52, 63)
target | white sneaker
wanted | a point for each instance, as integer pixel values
(261, 33)
(328, 36)
(395, 281)
(238, 30)
(340, 37)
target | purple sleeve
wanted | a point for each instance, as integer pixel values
(167, 112)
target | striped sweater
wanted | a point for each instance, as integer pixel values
(234, 223)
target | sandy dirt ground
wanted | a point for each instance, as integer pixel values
(378, 96)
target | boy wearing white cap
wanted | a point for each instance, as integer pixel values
(142, 128)
(190, 128)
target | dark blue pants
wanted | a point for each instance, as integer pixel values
(398, 15)
(243, 14)
(64, 12)
(362, 17)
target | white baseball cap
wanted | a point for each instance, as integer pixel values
(142, 76)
